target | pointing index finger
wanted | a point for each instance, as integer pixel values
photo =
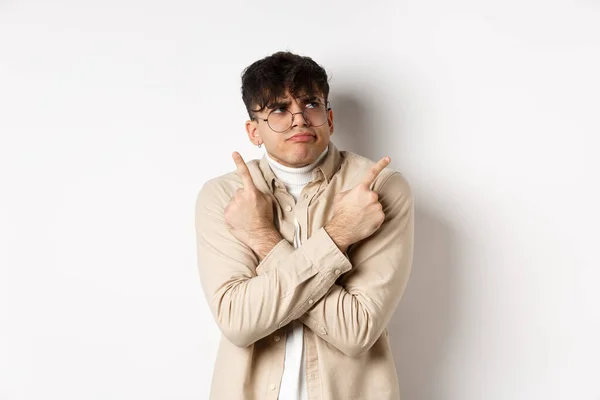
(375, 171)
(242, 170)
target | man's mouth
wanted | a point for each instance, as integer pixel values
(302, 137)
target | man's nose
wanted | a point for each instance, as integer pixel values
(298, 119)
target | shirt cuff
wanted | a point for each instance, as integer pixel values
(324, 253)
(281, 250)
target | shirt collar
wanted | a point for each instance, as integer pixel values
(325, 170)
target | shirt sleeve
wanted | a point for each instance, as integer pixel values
(248, 306)
(356, 310)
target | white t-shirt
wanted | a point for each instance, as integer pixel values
(293, 381)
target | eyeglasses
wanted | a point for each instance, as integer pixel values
(280, 119)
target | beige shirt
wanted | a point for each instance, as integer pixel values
(344, 300)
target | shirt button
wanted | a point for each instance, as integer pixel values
(337, 272)
(272, 386)
(288, 208)
(311, 301)
(277, 338)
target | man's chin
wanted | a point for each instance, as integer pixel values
(297, 161)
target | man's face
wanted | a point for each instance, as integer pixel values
(302, 142)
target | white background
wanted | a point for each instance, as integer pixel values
(114, 113)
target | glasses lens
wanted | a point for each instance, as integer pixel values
(316, 114)
(280, 120)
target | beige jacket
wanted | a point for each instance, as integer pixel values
(344, 300)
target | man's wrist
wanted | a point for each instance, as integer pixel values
(335, 233)
(264, 240)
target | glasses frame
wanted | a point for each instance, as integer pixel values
(327, 109)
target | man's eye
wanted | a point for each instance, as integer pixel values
(312, 104)
(279, 110)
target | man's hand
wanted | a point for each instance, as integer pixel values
(357, 213)
(249, 214)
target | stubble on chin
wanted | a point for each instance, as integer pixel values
(304, 158)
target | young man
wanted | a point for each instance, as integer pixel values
(303, 254)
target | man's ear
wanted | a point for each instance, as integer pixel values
(330, 121)
(252, 131)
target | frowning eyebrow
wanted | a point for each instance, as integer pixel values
(286, 103)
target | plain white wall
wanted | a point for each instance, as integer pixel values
(114, 113)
